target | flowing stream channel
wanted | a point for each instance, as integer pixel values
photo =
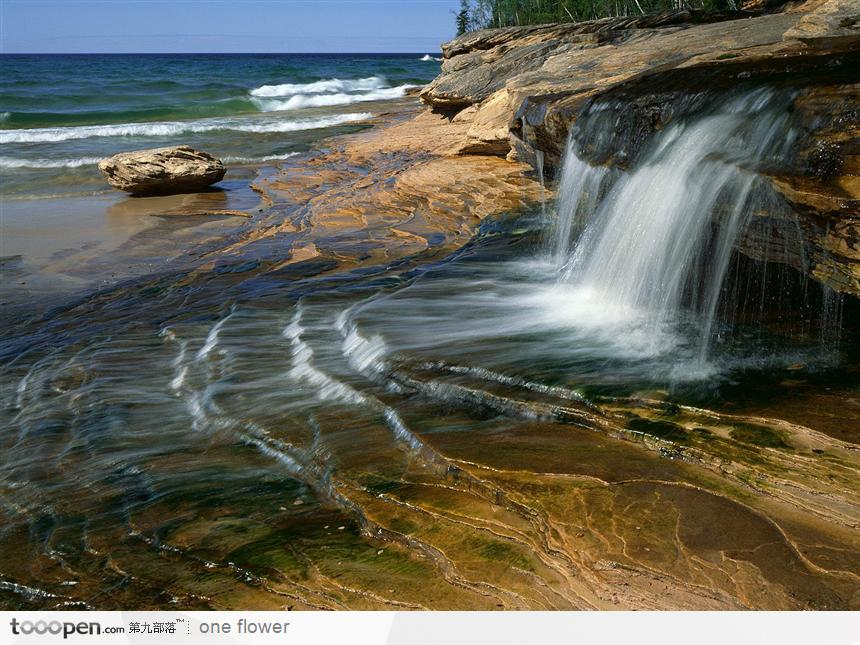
(503, 428)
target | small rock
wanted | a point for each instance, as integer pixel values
(162, 171)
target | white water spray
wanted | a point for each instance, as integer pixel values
(657, 245)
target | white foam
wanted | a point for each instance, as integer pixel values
(300, 101)
(333, 85)
(15, 162)
(401, 432)
(180, 369)
(303, 369)
(280, 157)
(427, 58)
(179, 379)
(198, 416)
(516, 381)
(293, 466)
(212, 338)
(364, 355)
(304, 124)
(173, 128)
(21, 390)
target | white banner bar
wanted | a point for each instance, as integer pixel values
(433, 628)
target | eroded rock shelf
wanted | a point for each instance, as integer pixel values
(521, 90)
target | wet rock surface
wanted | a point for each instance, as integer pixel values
(280, 461)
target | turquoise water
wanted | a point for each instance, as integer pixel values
(59, 114)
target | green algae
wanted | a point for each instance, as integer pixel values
(758, 436)
(703, 433)
(660, 429)
(498, 551)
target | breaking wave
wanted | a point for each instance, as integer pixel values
(334, 85)
(325, 93)
(299, 101)
(14, 162)
(172, 128)
(280, 157)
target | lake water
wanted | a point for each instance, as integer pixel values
(60, 114)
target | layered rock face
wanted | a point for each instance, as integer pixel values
(161, 171)
(521, 89)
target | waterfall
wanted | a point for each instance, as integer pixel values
(539, 171)
(579, 192)
(654, 242)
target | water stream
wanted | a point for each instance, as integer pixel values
(246, 438)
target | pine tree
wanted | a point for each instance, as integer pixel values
(463, 20)
(478, 14)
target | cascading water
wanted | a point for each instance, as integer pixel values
(539, 169)
(579, 193)
(652, 245)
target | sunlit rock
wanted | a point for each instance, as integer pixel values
(162, 171)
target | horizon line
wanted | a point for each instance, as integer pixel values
(422, 51)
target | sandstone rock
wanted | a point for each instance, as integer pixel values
(832, 19)
(161, 171)
(399, 189)
(521, 89)
(480, 63)
(551, 71)
(489, 132)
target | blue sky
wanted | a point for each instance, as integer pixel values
(57, 26)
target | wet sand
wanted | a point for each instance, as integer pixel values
(52, 249)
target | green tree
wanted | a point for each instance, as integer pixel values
(505, 13)
(463, 18)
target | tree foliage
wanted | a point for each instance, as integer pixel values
(478, 14)
(464, 18)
